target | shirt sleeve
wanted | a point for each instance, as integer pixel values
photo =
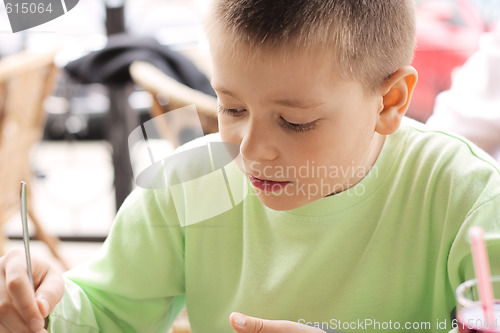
(460, 264)
(136, 281)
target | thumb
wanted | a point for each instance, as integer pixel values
(50, 292)
(246, 324)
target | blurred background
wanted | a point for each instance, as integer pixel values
(448, 33)
(79, 181)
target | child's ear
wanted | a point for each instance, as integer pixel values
(396, 95)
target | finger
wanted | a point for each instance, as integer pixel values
(49, 292)
(246, 324)
(21, 293)
(11, 320)
(4, 329)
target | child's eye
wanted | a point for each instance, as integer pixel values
(298, 127)
(230, 112)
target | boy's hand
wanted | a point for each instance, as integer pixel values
(21, 309)
(246, 324)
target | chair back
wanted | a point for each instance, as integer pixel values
(25, 81)
(164, 88)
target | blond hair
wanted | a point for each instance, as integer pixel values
(370, 39)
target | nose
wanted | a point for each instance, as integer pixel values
(258, 143)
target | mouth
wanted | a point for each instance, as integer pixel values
(267, 185)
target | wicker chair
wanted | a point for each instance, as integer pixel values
(25, 80)
(162, 87)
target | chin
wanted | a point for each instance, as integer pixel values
(280, 203)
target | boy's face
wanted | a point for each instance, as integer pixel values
(303, 131)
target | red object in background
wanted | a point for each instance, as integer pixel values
(447, 35)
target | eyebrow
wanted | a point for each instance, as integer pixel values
(290, 103)
(295, 103)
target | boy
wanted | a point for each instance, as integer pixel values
(372, 236)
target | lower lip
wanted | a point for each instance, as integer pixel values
(267, 185)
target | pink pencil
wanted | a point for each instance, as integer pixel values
(482, 270)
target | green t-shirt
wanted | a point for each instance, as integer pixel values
(385, 255)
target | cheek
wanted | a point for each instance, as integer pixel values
(339, 144)
(229, 132)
